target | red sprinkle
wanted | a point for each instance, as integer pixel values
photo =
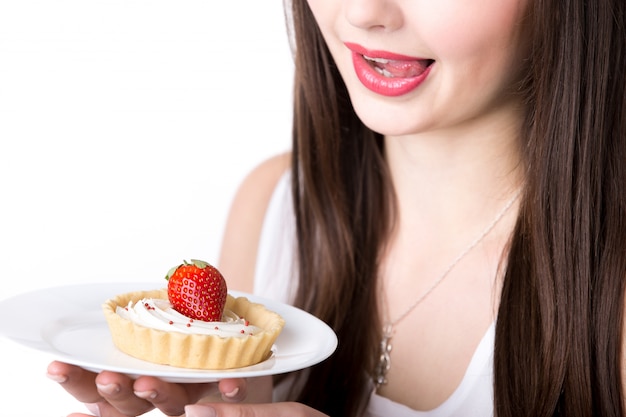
(171, 322)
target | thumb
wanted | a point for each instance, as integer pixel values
(291, 409)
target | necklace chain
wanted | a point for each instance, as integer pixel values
(384, 362)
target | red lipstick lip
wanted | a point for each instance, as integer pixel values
(380, 54)
(378, 83)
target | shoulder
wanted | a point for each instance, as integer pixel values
(257, 188)
(245, 221)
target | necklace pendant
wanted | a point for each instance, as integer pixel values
(384, 360)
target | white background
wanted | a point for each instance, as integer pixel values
(125, 128)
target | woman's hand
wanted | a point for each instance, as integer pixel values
(110, 394)
(251, 410)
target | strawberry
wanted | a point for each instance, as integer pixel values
(197, 290)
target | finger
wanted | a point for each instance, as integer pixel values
(251, 410)
(117, 391)
(250, 390)
(76, 381)
(94, 409)
(233, 390)
(171, 398)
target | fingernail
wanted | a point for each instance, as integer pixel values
(146, 395)
(108, 389)
(232, 394)
(93, 409)
(57, 378)
(200, 411)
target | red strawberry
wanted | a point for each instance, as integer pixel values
(197, 290)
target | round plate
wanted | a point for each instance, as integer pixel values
(67, 322)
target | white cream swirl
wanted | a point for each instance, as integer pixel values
(159, 314)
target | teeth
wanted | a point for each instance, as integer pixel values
(384, 72)
(378, 69)
(379, 60)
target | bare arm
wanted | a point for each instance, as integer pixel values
(241, 240)
(240, 243)
(243, 228)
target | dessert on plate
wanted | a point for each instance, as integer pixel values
(193, 323)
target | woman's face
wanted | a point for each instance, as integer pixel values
(415, 66)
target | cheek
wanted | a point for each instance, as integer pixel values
(323, 11)
(477, 49)
(472, 30)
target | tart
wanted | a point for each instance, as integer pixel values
(253, 331)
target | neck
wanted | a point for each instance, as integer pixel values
(455, 176)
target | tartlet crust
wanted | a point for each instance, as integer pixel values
(194, 350)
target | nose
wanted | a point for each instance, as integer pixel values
(373, 14)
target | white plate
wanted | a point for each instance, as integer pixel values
(67, 322)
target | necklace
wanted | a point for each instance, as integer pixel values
(384, 361)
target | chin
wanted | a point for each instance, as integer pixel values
(390, 123)
(389, 116)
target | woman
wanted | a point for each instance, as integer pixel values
(453, 162)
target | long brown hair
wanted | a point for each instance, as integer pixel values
(558, 333)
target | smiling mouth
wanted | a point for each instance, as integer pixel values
(392, 68)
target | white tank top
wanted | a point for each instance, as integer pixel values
(274, 278)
